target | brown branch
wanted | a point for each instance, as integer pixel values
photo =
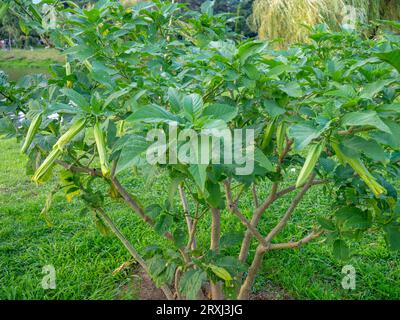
(193, 230)
(255, 197)
(292, 188)
(140, 212)
(90, 171)
(178, 272)
(290, 210)
(353, 130)
(236, 201)
(130, 201)
(216, 288)
(186, 211)
(248, 282)
(261, 249)
(297, 244)
(125, 195)
(131, 249)
(232, 207)
(244, 249)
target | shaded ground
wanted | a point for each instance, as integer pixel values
(143, 288)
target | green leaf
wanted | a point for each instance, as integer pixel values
(180, 238)
(175, 99)
(220, 272)
(326, 224)
(153, 211)
(163, 223)
(199, 174)
(252, 72)
(371, 89)
(303, 134)
(262, 160)
(82, 52)
(278, 70)
(156, 265)
(115, 95)
(191, 282)
(23, 27)
(391, 57)
(213, 195)
(292, 89)
(7, 128)
(390, 139)
(249, 49)
(133, 148)
(192, 105)
(353, 218)
(224, 112)
(207, 7)
(173, 188)
(3, 10)
(369, 147)
(76, 98)
(152, 114)
(365, 118)
(340, 250)
(393, 236)
(273, 108)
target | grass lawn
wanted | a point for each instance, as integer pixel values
(40, 57)
(84, 260)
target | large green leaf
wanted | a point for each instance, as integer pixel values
(192, 105)
(262, 160)
(152, 114)
(250, 49)
(369, 147)
(353, 218)
(273, 108)
(175, 99)
(390, 139)
(221, 272)
(292, 89)
(132, 149)
(371, 89)
(391, 57)
(220, 111)
(76, 98)
(7, 128)
(303, 134)
(199, 174)
(191, 282)
(341, 250)
(393, 236)
(365, 118)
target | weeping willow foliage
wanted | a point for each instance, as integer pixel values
(286, 19)
(128, 3)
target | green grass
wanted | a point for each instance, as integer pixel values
(84, 260)
(31, 58)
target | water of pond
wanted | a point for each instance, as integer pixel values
(16, 72)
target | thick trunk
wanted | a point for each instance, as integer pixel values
(245, 289)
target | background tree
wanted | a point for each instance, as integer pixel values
(286, 19)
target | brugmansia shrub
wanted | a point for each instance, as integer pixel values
(288, 19)
(328, 109)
